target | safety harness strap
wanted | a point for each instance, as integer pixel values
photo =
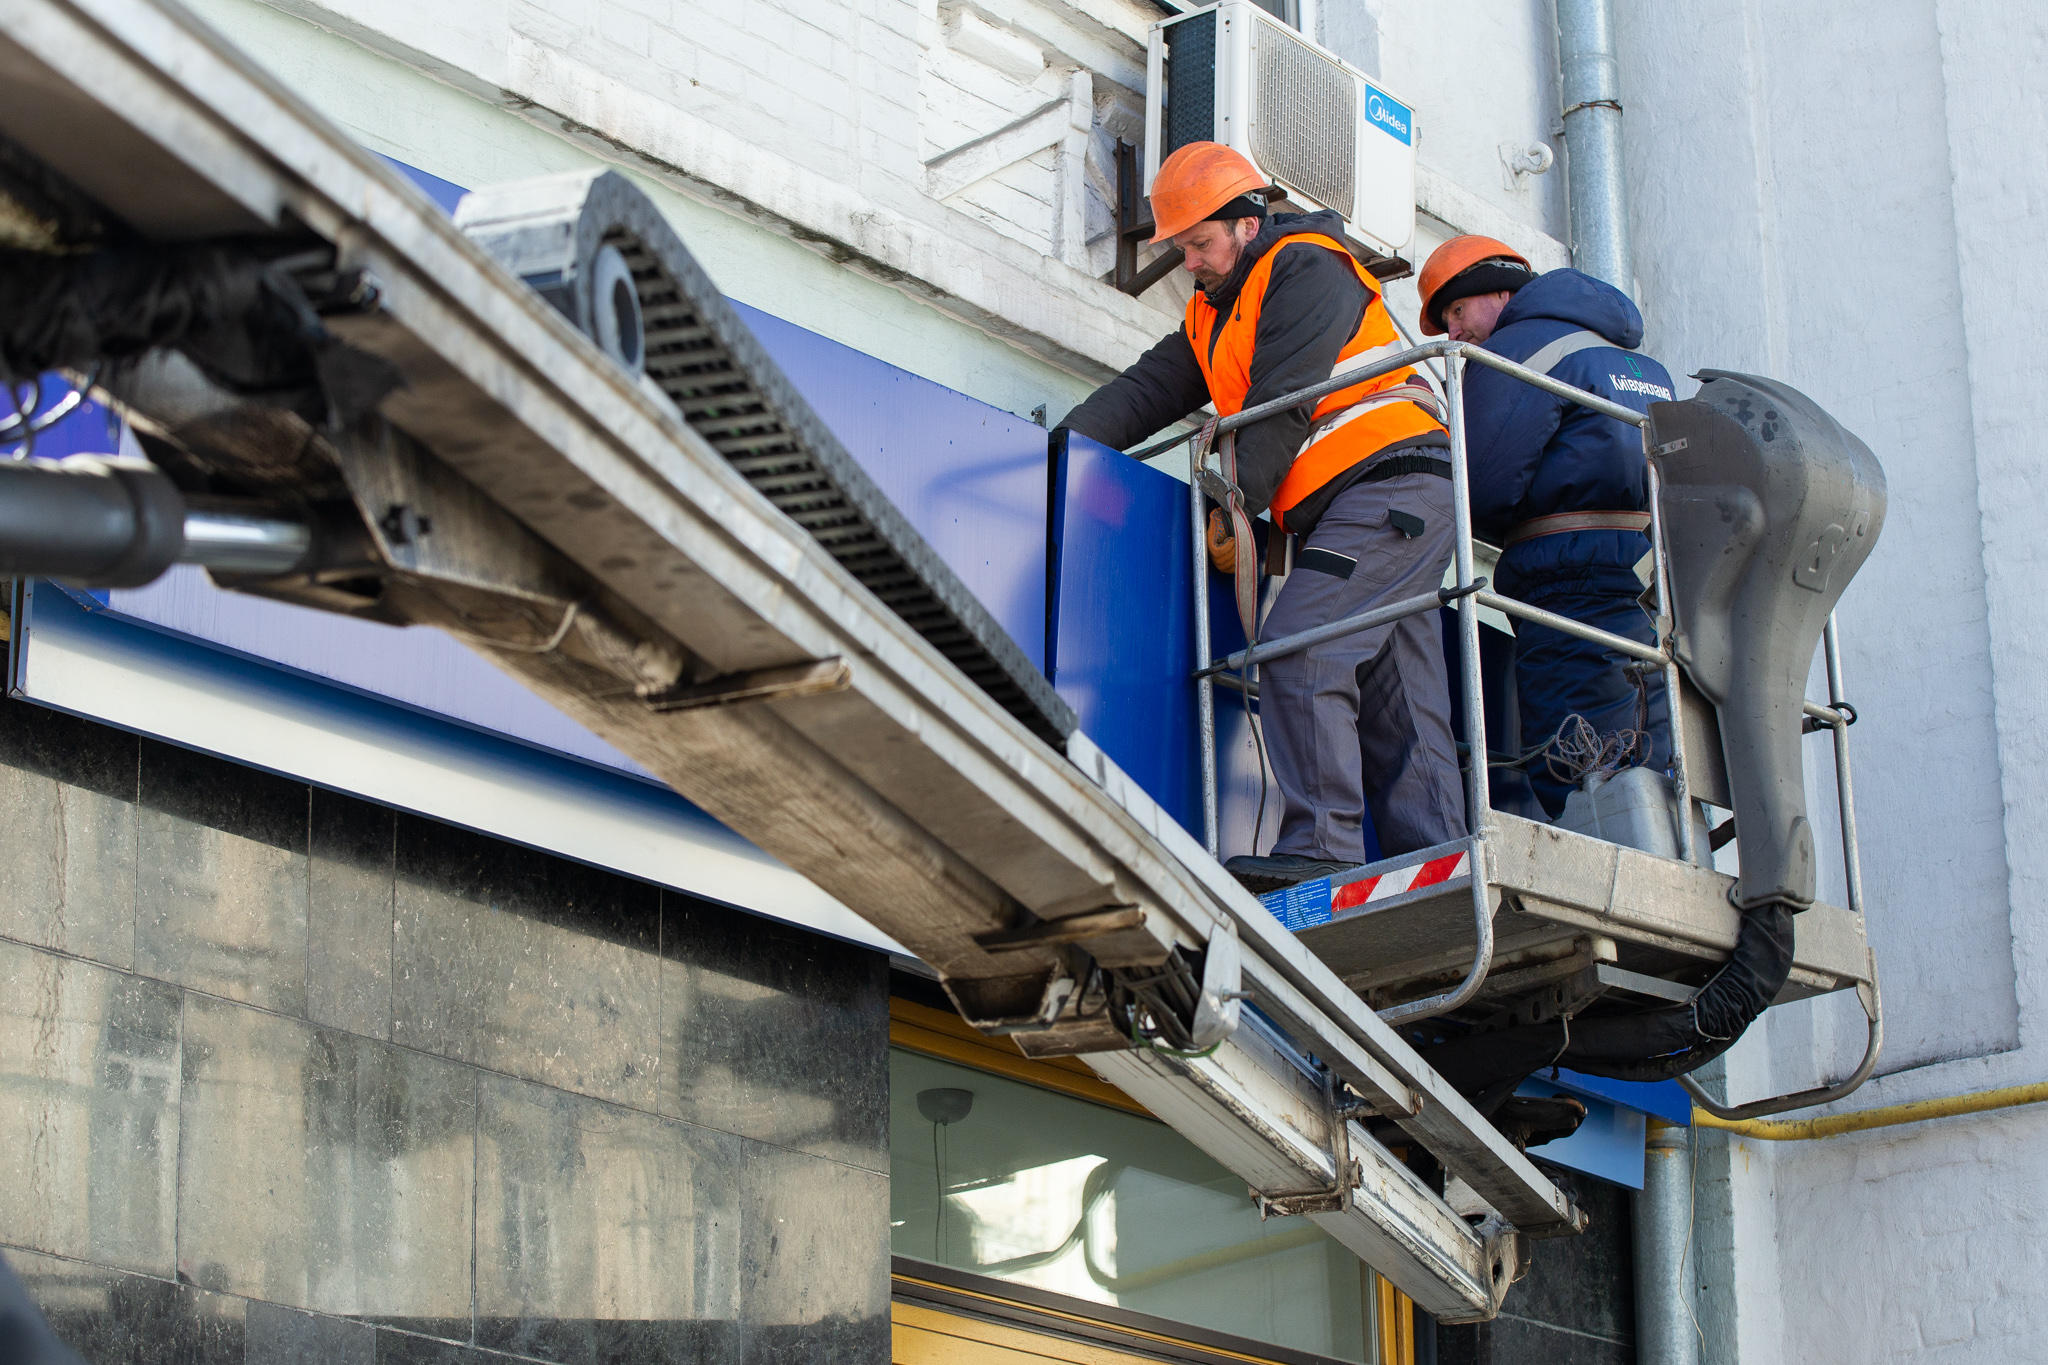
(1560, 522)
(1247, 575)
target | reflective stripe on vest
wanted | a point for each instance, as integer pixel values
(1571, 343)
(1226, 367)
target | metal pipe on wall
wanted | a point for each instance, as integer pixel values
(1590, 82)
(1665, 1330)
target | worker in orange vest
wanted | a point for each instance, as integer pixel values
(1359, 479)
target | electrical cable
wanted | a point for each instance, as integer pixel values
(1252, 719)
(22, 412)
(1692, 1189)
(1585, 752)
(939, 1205)
(1139, 1040)
(1165, 995)
(25, 415)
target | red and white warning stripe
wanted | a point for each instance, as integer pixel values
(1414, 877)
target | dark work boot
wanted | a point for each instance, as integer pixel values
(1261, 875)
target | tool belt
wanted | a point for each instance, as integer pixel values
(1560, 522)
(1384, 467)
(1224, 489)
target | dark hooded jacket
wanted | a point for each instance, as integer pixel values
(1533, 454)
(1313, 306)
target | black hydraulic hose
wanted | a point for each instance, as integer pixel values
(101, 523)
(231, 309)
(1654, 1045)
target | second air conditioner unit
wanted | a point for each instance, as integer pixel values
(1321, 130)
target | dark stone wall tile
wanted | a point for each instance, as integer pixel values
(1516, 1341)
(1576, 1306)
(519, 881)
(331, 1196)
(112, 1318)
(396, 1348)
(816, 1261)
(526, 965)
(600, 1229)
(774, 1033)
(281, 1335)
(324, 1171)
(626, 1342)
(349, 915)
(89, 1124)
(68, 749)
(399, 1348)
(863, 1341)
(68, 880)
(229, 797)
(221, 885)
(1585, 1283)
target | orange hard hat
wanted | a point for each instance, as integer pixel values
(1194, 182)
(1451, 260)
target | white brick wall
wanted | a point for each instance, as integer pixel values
(814, 118)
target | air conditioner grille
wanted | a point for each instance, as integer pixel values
(1304, 120)
(1190, 113)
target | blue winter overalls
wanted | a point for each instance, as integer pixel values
(1535, 456)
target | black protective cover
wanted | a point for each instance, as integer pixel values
(709, 364)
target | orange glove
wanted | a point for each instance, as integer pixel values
(1222, 544)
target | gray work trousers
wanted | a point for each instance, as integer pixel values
(1365, 721)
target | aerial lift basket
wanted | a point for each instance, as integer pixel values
(1763, 508)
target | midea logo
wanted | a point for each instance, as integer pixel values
(1388, 114)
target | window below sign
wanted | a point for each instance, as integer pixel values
(1002, 1179)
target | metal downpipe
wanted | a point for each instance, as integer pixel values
(1591, 87)
(1665, 1330)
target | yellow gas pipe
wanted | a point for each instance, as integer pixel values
(1798, 1130)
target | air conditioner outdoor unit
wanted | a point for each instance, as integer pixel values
(1317, 128)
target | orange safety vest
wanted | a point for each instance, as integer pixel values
(1339, 439)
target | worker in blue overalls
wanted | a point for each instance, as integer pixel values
(1563, 490)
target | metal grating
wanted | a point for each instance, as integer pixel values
(1190, 111)
(708, 363)
(1304, 119)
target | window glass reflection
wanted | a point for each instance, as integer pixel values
(1004, 1179)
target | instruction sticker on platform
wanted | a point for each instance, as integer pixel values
(1301, 906)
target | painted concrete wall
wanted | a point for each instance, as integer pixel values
(1483, 78)
(1832, 194)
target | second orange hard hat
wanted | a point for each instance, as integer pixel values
(1451, 260)
(1194, 182)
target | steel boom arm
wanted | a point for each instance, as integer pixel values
(902, 788)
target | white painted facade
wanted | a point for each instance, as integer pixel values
(1836, 195)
